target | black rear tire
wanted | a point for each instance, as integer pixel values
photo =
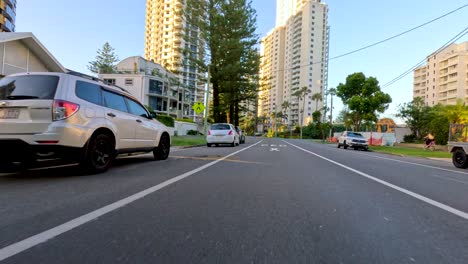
(208, 145)
(163, 149)
(99, 154)
(344, 145)
(339, 145)
(459, 159)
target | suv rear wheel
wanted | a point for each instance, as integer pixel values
(99, 154)
(459, 159)
(164, 148)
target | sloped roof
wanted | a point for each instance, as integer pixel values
(36, 47)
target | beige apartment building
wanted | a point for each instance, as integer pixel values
(271, 71)
(444, 78)
(166, 36)
(7, 15)
(300, 62)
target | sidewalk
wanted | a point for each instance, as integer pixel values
(442, 159)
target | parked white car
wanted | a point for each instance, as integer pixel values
(74, 117)
(241, 135)
(353, 140)
(222, 134)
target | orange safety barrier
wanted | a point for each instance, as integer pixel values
(375, 141)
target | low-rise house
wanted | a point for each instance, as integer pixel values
(153, 85)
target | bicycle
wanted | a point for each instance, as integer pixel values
(430, 146)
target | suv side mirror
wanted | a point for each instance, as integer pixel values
(153, 115)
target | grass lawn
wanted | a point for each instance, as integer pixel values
(411, 152)
(183, 141)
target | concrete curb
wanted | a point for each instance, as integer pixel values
(187, 147)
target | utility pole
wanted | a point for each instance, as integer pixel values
(332, 93)
(207, 103)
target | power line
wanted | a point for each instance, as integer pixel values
(378, 42)
(451, 41)
(400, 34)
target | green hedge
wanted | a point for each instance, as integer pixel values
(187, 120)
(166, 120)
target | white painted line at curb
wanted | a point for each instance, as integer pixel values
(42, 237)
(410, 193)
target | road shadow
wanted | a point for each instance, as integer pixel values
(60, 169)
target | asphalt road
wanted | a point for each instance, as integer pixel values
(268, 201)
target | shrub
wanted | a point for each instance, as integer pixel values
(187, 120)
(192, 132)
(166, 120)
(409, 138)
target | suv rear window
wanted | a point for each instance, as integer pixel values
(28, 87)
(220, 127)
(89, 92)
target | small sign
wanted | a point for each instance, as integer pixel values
(198, 107)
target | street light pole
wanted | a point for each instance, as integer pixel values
(332, 92)
(207, 103)
(274, 119)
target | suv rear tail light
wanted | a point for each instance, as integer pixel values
(209, 132)
(63, 109)
(230, 132)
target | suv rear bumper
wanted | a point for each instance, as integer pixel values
(13, 150)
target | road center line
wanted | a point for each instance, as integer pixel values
(410, 193)
(42, 237)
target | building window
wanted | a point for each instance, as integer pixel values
(110, 81)
(128, 81)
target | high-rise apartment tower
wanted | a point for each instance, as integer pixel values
(167, 35)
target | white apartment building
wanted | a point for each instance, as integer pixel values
(271, 72)
(167, 34)
(444, 78)
(302, 61)
(153, 85)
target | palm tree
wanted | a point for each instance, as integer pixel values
(301, 94)
(458, 113)
(317, 97)
(284, 107)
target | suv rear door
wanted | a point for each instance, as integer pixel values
(26, 103)
(145, 130)
(117, 112)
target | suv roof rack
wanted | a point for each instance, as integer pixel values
(92, 78)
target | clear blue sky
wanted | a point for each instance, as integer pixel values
(74, 30)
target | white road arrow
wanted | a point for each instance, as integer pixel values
(274, 149)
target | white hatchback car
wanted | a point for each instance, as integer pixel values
(74, 117)
(222, 134)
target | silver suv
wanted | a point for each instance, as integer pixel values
(74, 117)
(353, 140)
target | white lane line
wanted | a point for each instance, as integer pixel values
(416, 164)
(42, 237)
(447, 178)
(413, 163)
(410, 193)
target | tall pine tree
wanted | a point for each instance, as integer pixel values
(105, 60)
(228, 28)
